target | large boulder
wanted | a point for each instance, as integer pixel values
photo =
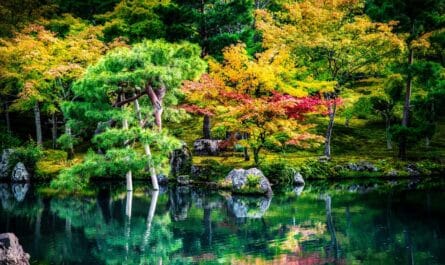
(251, 181)
(4, 163)
(11, 252)
(247, 206)
(206, 147)
(181, 161)
(19, 173)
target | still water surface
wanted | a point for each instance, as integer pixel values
(325, 223)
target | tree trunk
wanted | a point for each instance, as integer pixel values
(54, 130)
(128, 176)
(151, 214)
(406, 107)
(150, 164)
(7, 119)
(156, 97)
(246, 154)
(38, 124)
(70, 147)
(427, 142)
(256, 155)
(206, 127)
(387, 134)
(327, 144)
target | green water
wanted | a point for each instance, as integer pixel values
(327, 223)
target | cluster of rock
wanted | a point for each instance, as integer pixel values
(206, 147)
(19, 172)
(361, 166)
(11, 252)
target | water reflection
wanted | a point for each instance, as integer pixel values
(323, 224)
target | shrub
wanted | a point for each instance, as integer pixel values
(279, 172)
(28, 155)
(7, 140)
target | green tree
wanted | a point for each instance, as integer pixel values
(134, 20)
(154, 69)
(416, 18)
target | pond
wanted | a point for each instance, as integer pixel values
(389, 222)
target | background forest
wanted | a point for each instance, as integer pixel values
(93, 89)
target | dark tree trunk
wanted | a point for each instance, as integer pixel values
(206, 127)
(256, 155)
(38, 124)
(388, 135)
(54, 130)
(246, 154)
(406, 107)
(7, 119)
(327, 144)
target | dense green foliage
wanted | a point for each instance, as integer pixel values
(114, 79)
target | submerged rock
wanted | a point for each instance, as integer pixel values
(249, 181)
(19, 173)
(181, 161)
(248, 207)
(4, 162)
(206, 147)
(19, 191)
(11, 252)
(6, 196)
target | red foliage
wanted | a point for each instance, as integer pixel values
(194, 109)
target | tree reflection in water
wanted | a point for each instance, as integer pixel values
(189, 225)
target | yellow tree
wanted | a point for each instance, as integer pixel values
(260, 98)
(331, 41)
(38, 67)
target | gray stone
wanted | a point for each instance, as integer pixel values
(412, 170)
(4, 163)
(162, 179)
(362, 166)
(183, 180)
(206, 147)
(241, 181)
(393, 173)
(181, 161)
(19, 191)
(11, 252)
(248, 207)
(298, 179)
(19, 173)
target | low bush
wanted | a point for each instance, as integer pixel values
(28, 155)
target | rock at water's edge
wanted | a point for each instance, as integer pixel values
(19, 173)
(11, 252)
